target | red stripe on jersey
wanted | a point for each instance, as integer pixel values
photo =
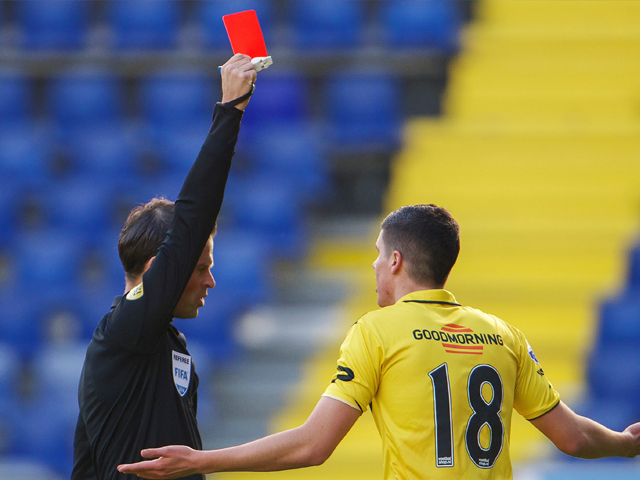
(452, 327)
(462, 347)
(464, 352)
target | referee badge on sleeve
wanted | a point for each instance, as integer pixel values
(136, 292)
(181, 371)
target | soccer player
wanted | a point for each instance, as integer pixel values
(441, 380)
(138, 386)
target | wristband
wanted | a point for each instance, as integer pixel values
(244, 97)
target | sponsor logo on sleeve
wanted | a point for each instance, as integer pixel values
(135, 293)
(344, 374)
(531, 354)
(181, 371)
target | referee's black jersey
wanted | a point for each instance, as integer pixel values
(138, 387)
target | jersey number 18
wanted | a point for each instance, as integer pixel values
(485, 413)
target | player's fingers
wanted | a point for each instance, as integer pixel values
(153, 452)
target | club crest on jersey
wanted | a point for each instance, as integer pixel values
(181, 371)
(531, 354)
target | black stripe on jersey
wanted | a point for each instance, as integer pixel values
(432, 301)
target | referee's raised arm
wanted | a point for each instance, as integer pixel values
(195, 215)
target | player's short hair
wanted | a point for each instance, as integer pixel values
(144, 231)
(428, 238)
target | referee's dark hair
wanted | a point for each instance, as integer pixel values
(428, 238)
(144, 231)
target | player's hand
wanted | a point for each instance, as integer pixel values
(175, 461)
(238, 75)
(634, 432)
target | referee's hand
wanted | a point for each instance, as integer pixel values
(238, 76)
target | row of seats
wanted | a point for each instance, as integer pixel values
(42, 426)
(156, 24)
(87, 123)
(613, 372)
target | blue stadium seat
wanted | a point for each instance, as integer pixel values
(613, 374)
(108, 154)
(9, 213)
(10, 376)
(85, 98)
(144, 24)
(634, 268)
(19, 325)
(266, 206)
(282, 97)
(178, 99)
(620, 321)
(178, 149)
(293, 152)
(209, 16)
(53, 25)
(25, 155)
(84, 206)
(421, 23)
(16, 97)
(47, 429)
(57, 371)
(329, 24)
(364, 110)
(50, 257)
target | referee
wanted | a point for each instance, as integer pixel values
(440, 379)
(138, 387)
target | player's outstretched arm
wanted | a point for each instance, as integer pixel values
(305, 446)
(582, 437)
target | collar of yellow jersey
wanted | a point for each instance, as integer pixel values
(435, 296)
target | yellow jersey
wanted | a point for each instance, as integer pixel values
(441, 381)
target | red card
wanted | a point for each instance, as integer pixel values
(245, 33)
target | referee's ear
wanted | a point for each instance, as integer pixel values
(148, 264)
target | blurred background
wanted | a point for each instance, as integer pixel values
(520, 117)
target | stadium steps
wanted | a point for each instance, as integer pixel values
(538, 157)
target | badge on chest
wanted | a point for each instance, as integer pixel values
(181, 371)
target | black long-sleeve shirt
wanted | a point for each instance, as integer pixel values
(138, 387)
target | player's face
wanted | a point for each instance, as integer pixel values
(381, 266)
(201, 280)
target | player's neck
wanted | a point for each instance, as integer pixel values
(406, 285)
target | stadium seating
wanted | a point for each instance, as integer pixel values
(177, 99)
(82, 98)
(79, 206)
(209, 16)
(363, 110)
(50, 257)
(16, 97)
(58, 25)
(421, 23)
(283, 99)
(634, 268)
(144, 24)
(620, 320)
(293, 152)
(19, 326)
(266, 206)
(25, 156)
(326, 25)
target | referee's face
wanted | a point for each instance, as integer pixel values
(201, 280)
(384, 284)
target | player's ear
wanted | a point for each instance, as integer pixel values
(396, 261)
